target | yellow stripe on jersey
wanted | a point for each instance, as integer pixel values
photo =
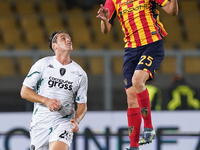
(139, 24)
(139, 20)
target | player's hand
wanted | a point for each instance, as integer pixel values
(75, 125)
(103, 13)
(52, 104)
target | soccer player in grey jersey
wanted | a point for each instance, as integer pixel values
(54, 84)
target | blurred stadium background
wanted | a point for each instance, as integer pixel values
(25, 26)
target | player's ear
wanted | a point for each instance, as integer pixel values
(54, 46)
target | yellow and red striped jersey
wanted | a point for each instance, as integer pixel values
(139, 20)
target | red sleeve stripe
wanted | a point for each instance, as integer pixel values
(161, 2)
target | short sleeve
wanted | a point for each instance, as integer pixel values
(82, 91)
(161, 2)
(111, 7)
(33, 76)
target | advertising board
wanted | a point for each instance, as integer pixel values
(107, 130)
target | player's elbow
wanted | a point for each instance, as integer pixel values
(105, 28)
(104, 31)
(23, 93)
(174, 13)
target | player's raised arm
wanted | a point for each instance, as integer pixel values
(171, 7)
(103, 14)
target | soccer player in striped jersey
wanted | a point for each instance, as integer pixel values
(144, 52)
(55, 84)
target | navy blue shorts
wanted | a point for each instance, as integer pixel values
(147, 57)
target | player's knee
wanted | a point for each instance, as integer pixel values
(138, 85)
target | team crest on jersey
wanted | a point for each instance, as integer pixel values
(125, 81)
(62, 71)
(130, 130)
(144, 111)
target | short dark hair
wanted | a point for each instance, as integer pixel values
(52, 38)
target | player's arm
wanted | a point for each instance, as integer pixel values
(30, 95)
(81, 100)
(103, 14)
(171, 7)
(105, 27)
(80, 113)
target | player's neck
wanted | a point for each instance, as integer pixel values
(64, 60)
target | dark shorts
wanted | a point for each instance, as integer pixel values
(147, 58)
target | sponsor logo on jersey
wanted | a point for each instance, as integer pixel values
(76, 73)
(132, 9)
(60, 83)
(50, 66)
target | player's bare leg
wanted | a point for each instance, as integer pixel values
(58, 145)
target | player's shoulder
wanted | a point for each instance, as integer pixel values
(41, 63)
(78, 67)
(45, 60)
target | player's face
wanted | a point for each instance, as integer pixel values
(64, 42)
